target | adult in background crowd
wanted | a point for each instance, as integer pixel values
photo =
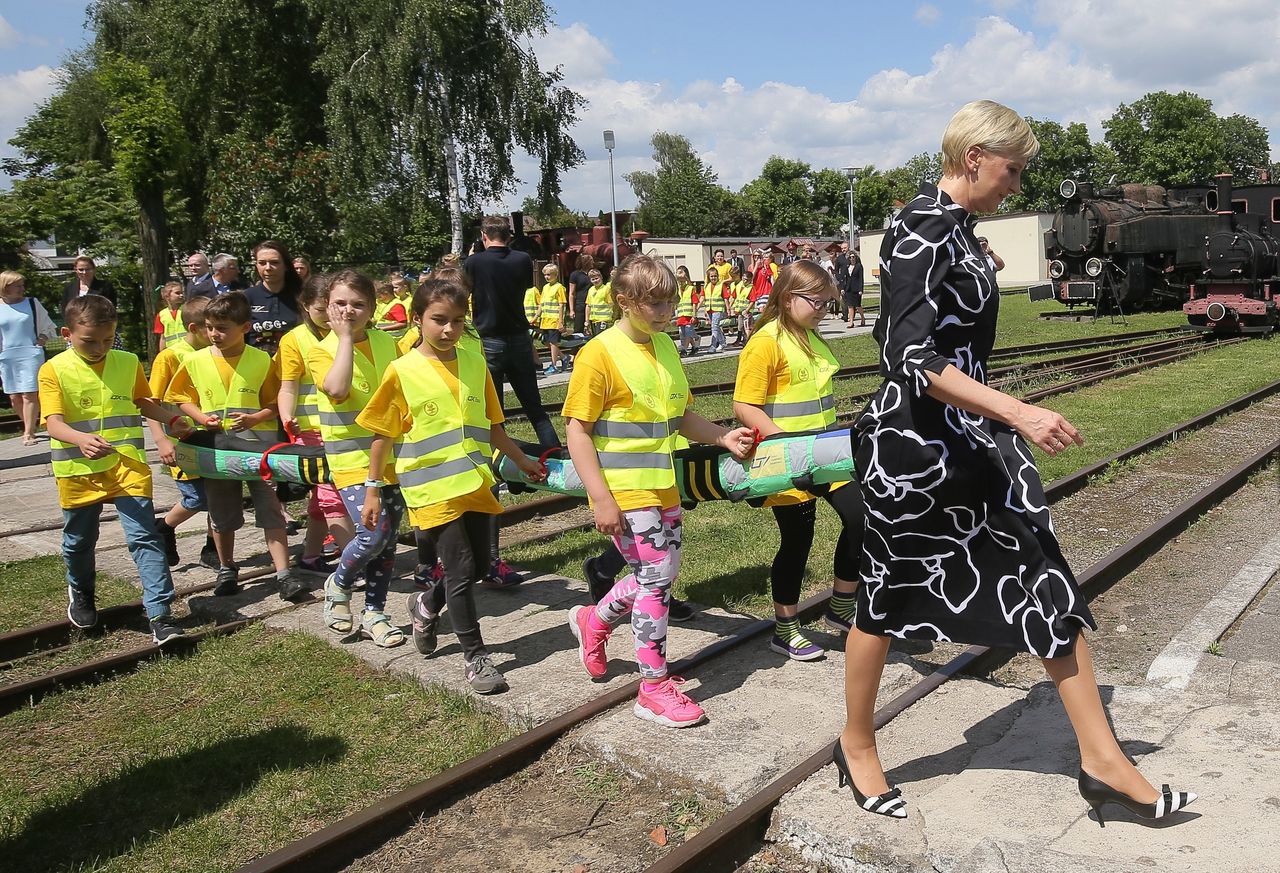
(996, 262)
(735, 260)
(273, 302)
(499, 277)
(86, 282)
(197, 271)
(854, 282)
(302, 266)
(722, 266)
(579, 285)
(225, 276)
(25, 327)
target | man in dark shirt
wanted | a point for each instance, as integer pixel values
(224, 277)
(499, 277)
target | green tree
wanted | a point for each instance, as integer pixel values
(872, 199)
(924, 167)
(557, 214)
(830, 189)
(1065, 153)
(681, 196)
(781, 197)
(1245, 145)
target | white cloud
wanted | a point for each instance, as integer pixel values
(9, 36)
(928, 14)
(581, 56)
(20, 94)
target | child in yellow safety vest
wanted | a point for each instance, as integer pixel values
(232, 386)
(599, 303)
(329, 528)
(686, 312)
(94, 398)
(552, 300)
(713, 302)
(626, 406)
(190, 486)
(439, 403)
(346, 366)
(784, 385)
(390, 315)
(169, 326)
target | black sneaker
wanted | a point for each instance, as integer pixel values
(81, 611)
(164, 630)
(598, 585)
(678, 610)
(291, 585)
(170, 541)
(209, 555)
(425, 625)
(292, 528)
(228, 581)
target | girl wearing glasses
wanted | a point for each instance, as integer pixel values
(784, 385)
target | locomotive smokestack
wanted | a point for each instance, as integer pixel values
(517, 224)
(1225, 212)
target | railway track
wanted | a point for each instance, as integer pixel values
(734, 836)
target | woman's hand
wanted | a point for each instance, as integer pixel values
(372, 508)
(1045, 428)
(609, 518)
(739, 441)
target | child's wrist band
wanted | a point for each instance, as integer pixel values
(374, 483)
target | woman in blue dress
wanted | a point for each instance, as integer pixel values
(25, 326)
(959, 546)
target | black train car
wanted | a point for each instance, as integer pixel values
(1138, 245)
(1241, 257)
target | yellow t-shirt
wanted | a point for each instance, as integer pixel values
(318, 363)
(293, 366)
(388, 413)
(129, 478)
(763, 372)
(723, 270)
(405, 344)
(552, 292)
(183, 390)
(596, 385)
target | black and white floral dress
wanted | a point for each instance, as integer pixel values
(959, 545)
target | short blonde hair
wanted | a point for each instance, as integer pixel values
(9, 277)
(640, 279)
(551, 268)
(988, 125)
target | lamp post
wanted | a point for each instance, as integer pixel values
(609, 144)
(852, 173)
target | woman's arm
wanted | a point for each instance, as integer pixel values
(1043, 427)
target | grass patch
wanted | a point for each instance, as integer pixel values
(34, 591)
(204, 763)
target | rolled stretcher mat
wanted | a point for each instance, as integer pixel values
(809, 461)
(223, 456)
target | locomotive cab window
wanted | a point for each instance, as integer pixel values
(1275, 210)
(1240, 207)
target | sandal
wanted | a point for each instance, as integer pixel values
(377, 627)
(337, 606)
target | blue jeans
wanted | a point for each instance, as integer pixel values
(192, 492)
(510, 358)
(372, 552)
(138, 519)
(717, 335)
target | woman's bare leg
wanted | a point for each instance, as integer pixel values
(864, 663)
(1100, 753)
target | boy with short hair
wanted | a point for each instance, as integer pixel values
(552, 300)
(232, 386)
(93, 399)
(190, 486)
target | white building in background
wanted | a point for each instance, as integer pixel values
(1018, 238)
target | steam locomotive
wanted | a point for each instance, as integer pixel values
(563, 245)
(1236, 293)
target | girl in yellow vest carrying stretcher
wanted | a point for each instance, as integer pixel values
(438, 404)
(626, 406)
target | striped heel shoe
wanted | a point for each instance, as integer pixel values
(888, 804)
(1096, 792)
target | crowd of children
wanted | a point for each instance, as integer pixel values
(408, 429)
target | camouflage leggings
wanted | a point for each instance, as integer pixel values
(652, 551)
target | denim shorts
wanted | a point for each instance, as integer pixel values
(192, 492)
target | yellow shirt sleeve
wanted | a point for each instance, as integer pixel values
(141, 390)
(761, 369)
(387, 412)
(410, 339)
(50, 391)
(492, 404)
(289, 357)
(270, 389)
(181, 388)
(163, 369)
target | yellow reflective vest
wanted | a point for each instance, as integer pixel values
(446, 452)
(599, 304)
(347, 444)
(171, 326)
(101, 405)
(684, 306)
(531, 305)
(306, 411)
(635, 443)
(242, 395)
(808, 402)
(712, 297)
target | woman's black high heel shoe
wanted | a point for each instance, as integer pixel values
(1096, 792)
(890, 803)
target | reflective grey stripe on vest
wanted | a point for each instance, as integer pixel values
(337, 419)
(306, 409)
(306, 388)
(427, 475)
(351, 444)
(421, 448)
(74, 454)
(98, 425)
(243, 410)
(635, 460)
(802, 407)
(636, 430)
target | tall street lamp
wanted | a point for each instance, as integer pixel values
(609, 144)
(852, 173)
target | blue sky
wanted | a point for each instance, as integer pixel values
(834, 84)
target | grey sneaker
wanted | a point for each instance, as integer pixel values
(164, 630)
(292, 585)
(483, 676)
(424, 624)
(228, 581)
(81, 610)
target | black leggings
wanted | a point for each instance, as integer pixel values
(795, 530)
(459, 543)
(427, 548)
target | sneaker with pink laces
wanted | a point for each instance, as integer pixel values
(501, 575)
(590, 641)
(667, 705)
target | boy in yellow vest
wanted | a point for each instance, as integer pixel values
(190, 487)
(93, 399)
(232, 386)
(169, 326)
(551, 305)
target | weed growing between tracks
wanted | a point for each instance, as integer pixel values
(34, 591)
(203, 763)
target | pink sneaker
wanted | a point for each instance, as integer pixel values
(590, 641)
(668, 705)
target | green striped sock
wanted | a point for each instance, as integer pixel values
(844, 605)
(787, 629)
